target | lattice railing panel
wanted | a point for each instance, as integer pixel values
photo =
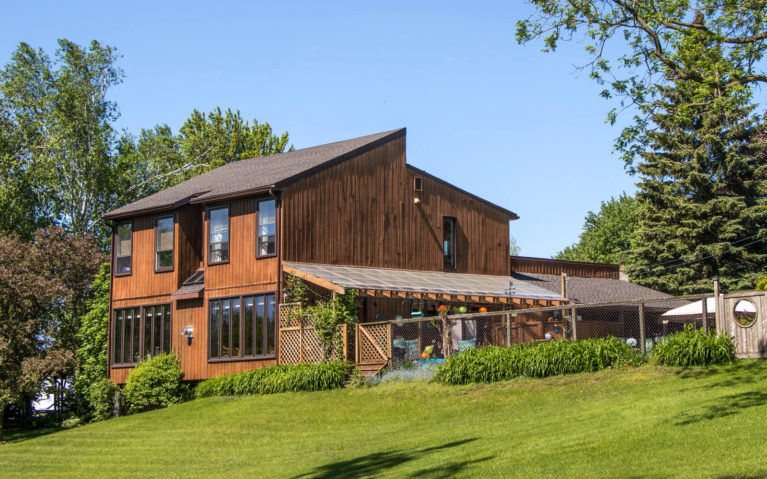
(377, 335)
(302, 345)
(290, 314)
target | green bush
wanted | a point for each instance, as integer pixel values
(277, 379)
(536, 360)
(155, 383)
(101, 398)
(694, 348)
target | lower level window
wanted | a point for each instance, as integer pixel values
(139, 333)
(242, 327)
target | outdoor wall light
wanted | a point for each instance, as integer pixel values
(188, 332)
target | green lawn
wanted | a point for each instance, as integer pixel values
(644, 422)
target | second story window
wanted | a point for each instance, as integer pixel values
(448, 241)
(123, 248)
(267, 227)
(163, 243)
(218, 235)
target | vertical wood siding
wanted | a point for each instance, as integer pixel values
(363, 212)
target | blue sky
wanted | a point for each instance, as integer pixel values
(506, 122)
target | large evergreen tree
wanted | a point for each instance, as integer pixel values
(702, 194)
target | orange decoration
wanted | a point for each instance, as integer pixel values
(424, 355)
(483, 309)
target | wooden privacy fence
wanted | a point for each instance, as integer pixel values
(299, 342)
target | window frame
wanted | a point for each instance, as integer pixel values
(117, 243)
(131, 334)
(228, 233)
(242, 356)
(258, 224)
(166, 269)
(453, 228)
(418, 183)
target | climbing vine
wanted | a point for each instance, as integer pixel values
(326, 316)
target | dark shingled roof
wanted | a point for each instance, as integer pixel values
(250, 176)
(592, 290)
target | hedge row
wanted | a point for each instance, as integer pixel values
(535, 360)
(277, 379)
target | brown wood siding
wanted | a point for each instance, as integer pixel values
(143, 280)
(363, 212)
(244, 270)
(522, 264)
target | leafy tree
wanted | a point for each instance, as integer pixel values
(514, 248)
(40, 283)
(761, 283)
(607, 234)
(93, 338)
(637, 48)
(58, 137)
(204, 142)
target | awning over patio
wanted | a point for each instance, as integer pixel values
(421, 284)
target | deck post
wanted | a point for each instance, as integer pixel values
(717, 317)
(508, 329)
(642, 346)
(301, 342)
(574, 324)
(345, 342)
(704, 306)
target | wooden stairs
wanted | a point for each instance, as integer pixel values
(368, 370)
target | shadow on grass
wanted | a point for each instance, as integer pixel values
(373, 464)
(756, 475)
(21, 435)
(725, 406)
(735, 374)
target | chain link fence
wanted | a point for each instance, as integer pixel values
(641, 324)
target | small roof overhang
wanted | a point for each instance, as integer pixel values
(192, 288)
(421, 284)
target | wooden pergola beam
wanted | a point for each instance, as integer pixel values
(322, 283)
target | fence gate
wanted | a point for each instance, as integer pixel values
(743, 319)
(373, 343)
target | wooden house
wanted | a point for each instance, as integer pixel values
(206, 257)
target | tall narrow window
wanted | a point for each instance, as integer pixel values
(139, 333)
(123, 248)
(267, 227)
(218, 235)
(163, 243)
(242, 327)
(448, 241)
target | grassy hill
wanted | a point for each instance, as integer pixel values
(644, 422)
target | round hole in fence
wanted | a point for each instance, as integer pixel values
(745, 313)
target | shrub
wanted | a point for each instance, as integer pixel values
(101, 398)
(536, 360)
(155, 383)
(694, 348)
(277, 379)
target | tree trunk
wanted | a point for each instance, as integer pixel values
(2, 415)
(447, 337)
